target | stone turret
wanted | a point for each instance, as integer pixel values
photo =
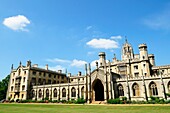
(127, 51)
(102, 58)
(143, 52)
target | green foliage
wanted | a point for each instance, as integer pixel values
(40, 101)
(11, 100)
(124, 98)
(115, 101)
(46, 98)
(168, 94)
(154, 98)
(4, 87)
(80, 101)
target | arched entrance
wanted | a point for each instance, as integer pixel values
(98, 90)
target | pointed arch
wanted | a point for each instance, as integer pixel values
(168, 87)
(40, 93)
(64, 92)
(47, 93)
(120, 90)
(153, 89)
(55, 92)
(73, 92)
(135, 89)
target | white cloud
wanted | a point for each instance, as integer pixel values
(116, 37)
(16, 23)
(158, 21)
(56, 68)
(90, 53)
(93, 63)
(72, 63)
(57, 60)
(78, 63)
(103, 43)
(88, 27)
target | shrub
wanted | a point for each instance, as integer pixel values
(168, 94)
(154, 98)
(41, 101)
(12, 100)
(115, 101)
(46, 98)
(17, 100)
(63, 101)
(80, 101)
(54, 101)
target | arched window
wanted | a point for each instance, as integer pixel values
(169, 87)
(73, 92)
(47, 93)
(63, 92)
(40, 93)
(153, 89)
(135, 89)
(120, 90)
(82, 91)
(55, 92)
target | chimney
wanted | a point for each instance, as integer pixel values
(59, 71)
(79, 73)
(28, 63)
(46, 67)
(69, 75)
(35, 65)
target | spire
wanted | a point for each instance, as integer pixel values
(12, 67)
(126, 39)
(96, 65)
(20, 63)
(114, 56)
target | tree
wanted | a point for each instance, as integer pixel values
(4, 87)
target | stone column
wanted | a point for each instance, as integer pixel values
(58, 93)
(163, 86)
(68, 97)
(78, 89)
(144, 87)
(110, 83)
(105, 83)
(89, 84)
(85, 84)
(128, 90)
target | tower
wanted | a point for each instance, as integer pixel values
(143, 52)
(127, 51)
(102, 58)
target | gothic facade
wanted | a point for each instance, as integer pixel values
(135, 76)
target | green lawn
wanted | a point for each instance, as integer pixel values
(56, 108)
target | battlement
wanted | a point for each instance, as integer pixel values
(145, 77)
(143, 45)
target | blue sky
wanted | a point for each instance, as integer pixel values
(68, 33)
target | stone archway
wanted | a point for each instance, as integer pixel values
(98, 91)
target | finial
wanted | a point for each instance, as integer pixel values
(66, 71)
(12, 67)
(126, 39)
(20, 63)
(114, 55)
(96, 64)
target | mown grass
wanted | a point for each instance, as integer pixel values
(57, 108)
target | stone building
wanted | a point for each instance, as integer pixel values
(135, 76)
(24, 78)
